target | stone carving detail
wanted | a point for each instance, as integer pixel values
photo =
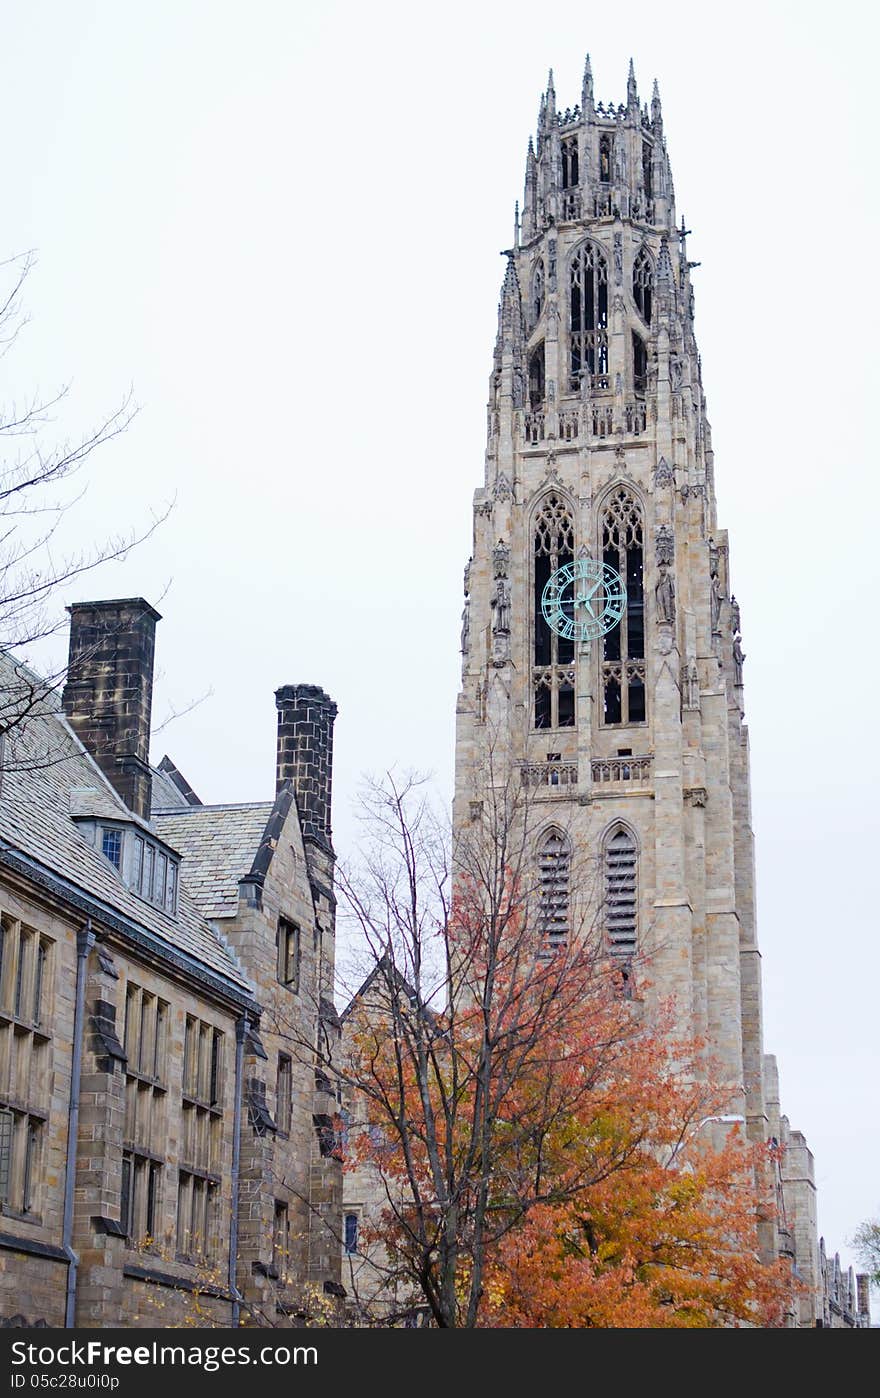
(500, 559)
(551, 260)
(738, 658)
(466, 626)
(664, 544)
(618, 258)
(695, 795)
(502, 488)
(715, 601)
(467, 576)
(483, 507)
(664, 595)
(735, 615)
(690, 686)
(501, 621)
(663, 474)
(501, 603)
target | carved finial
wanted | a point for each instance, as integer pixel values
(511, 325)
(587, 88)
(550, 101)
(632, 96)
(656, 112)
(516, 224)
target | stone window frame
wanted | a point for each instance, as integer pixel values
(197, 1220)
(589, 256)
(553, 855)
(558, 673)
(622, 938)
(280, 1268)
(26, 998)
(627, 668)
(21, 1150)
(351, 1235)
(284, 1095)
(289, 946)
(140, 1196)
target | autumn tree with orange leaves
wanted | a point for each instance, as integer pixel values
(544, 1154)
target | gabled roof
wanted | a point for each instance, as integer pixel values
(219, 845)
(46, 773)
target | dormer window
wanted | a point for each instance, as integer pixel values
(147, 869)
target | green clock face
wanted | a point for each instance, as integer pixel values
(583, 599)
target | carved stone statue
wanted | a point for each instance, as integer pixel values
(734, 615)
(501, 603)
(466, 626)
(467, 577)
(715, 601)
(738, 658)
(664, 594)
(618, 257)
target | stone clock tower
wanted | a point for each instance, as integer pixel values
(633, 749)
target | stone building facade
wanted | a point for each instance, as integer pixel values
(166, 1154)
(632, 747)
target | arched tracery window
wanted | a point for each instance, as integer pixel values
(554, 865)
(620, 859)
(643, 285)
(588, 316)
(623, 648)
(536, 301)
(553, 656)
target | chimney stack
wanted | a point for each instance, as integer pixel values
(305, 755)
(108, 697)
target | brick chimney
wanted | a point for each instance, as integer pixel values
(109, 692)
(305, 754)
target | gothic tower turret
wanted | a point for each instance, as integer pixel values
(634, 746)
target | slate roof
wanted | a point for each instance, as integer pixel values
(166, 793)
(45, 772)
(218, 845)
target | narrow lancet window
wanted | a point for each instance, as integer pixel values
(570, 176)
(643, 285)
(640, 363)
(554, 863)
(553, 655)
(647, 175)
(620, 869)
(605, 159)
(623, 648)
(588, 317)
(536, 377)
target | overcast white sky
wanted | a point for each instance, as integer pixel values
(281, 223)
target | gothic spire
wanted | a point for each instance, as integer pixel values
(587, 88)
(511, 326)
(632, 96)
(551, 98)
(656, 113)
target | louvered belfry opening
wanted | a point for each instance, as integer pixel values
(621, 892)
(554, 862)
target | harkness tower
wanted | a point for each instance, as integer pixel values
(635, 747)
